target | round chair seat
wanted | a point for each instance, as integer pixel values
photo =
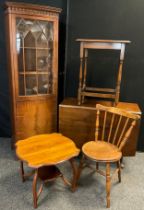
(101, 151)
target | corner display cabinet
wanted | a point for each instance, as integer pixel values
(32, 39)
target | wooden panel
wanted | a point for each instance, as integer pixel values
(78, 122)
(35, 117)
(109, 46)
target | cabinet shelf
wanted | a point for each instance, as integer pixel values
(37, 48)
(33, 72)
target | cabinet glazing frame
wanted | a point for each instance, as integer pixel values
(55, 26)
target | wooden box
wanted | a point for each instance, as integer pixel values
(78, 122)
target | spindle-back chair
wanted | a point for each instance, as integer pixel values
(113, 129)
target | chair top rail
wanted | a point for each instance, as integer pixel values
(117, 111)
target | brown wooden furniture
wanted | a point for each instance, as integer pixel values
(42, 153)
(78, 122)
(106, 93)
(108, 145)
(32, 39)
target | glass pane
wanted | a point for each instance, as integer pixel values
(36, 29)
(30, 59)
(19, 41)
(45, 39)
(31, 85)
(42, 60)
(50, 56)
(21, 85)
(20, 60)
(22, 27)
(29, 40)
(42, 24)
(48, 30)
(43, 84)
(50, 35)
(42, 41)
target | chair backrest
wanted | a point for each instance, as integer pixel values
(114, 125)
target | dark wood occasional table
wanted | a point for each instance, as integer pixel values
(43, 153)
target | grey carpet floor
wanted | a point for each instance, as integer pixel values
(90, 195)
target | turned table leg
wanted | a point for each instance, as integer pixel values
(34, 188)
(24, 175)
(80, 168)
(22, 171)
(74, 169)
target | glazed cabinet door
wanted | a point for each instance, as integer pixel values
(35, 56)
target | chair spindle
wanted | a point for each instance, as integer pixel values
(123, 130)
(111, 125)
(117, 128)
(103, 131)
(127, 134)
(97, 125)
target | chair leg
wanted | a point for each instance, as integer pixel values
(121, 163)
(119, 171)
(34, 187)
(108, 184)
(22, 171)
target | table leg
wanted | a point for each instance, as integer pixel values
(34, 188)
(80, 168)
(45, 174)
(24, 175)
(22, 171)
(74, 169)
